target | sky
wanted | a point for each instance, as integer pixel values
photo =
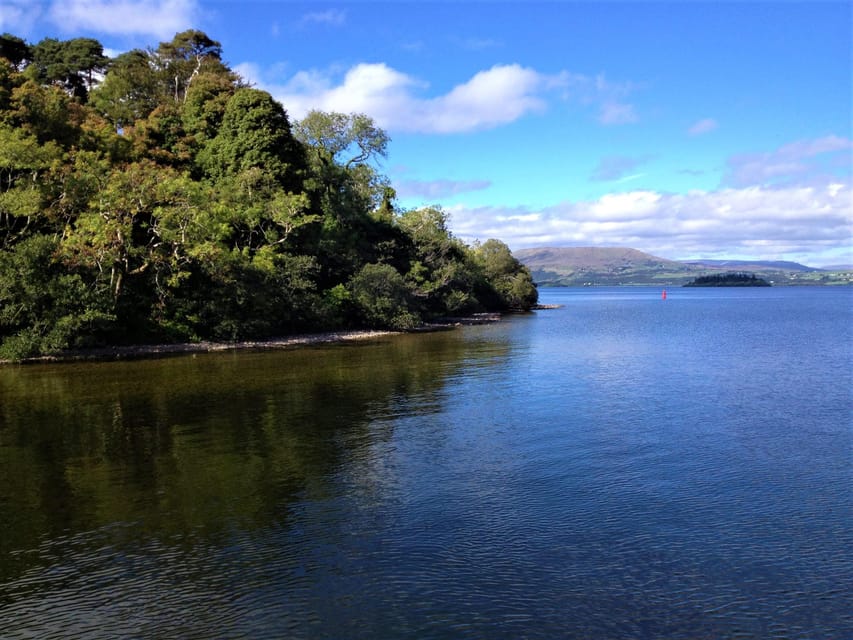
(684, 129)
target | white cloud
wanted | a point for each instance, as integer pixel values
(160, 18)
(755, 222)
(617, 113)
(489, 99)
(703, 126)
(332, 17)
(618, 168)
(500, 95)
(432, 190)
(609, 97)
(249, 71)
(797, 162)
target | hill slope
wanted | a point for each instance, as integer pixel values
(752, 265)
(587, 266)
(573, 266)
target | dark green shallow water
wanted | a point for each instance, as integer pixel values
(622, 467)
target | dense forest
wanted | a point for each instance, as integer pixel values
(156, 196)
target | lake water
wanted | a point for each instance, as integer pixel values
(621, 467)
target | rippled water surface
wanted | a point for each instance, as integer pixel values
(621, 467)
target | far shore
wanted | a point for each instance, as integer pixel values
(140, 351)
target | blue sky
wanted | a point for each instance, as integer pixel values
(685, 129)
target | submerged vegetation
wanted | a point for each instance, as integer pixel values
(729, 280)
(158, 197)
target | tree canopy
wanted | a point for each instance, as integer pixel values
(156, 196)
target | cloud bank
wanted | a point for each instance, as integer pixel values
(752, 222)
(794, 202)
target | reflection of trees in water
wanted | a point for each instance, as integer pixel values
(203, 444)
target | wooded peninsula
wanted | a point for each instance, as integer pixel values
(158, 197)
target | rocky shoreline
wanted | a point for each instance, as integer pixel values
(133, 352)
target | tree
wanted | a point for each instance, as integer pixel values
(255, 133)
(333, 135)
(510, 279)
(341, 150)
(129, 91)
(45, 111)
(443, 273)
(9, 79)
(70, 64)
(260, 212)
(85, 62)
(15, 50)
(382, 297)
(161, 137)
(44, 307)
(138, 81)
(205, 104)
(179, 62)
(22, 162)
(109, 238)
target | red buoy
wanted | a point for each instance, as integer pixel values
(663, 295)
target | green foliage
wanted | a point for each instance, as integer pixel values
(170, 201)
(382, 298)
(22, 161)
(43, 307)
(130, 90)
(205, 104)
(332, 135)
(443, 274)
(15, 50)
(510, 280)
(46, 112)
(254, 133)
(341, 149)
(179, 62)
(71, 64)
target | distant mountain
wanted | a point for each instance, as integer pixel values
(837, 267)
(589, 257)
(592, 266)
(574, 266)
(752, 265)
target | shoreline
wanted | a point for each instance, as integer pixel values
(144, 351)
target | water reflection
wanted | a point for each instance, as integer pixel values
(196, 447)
